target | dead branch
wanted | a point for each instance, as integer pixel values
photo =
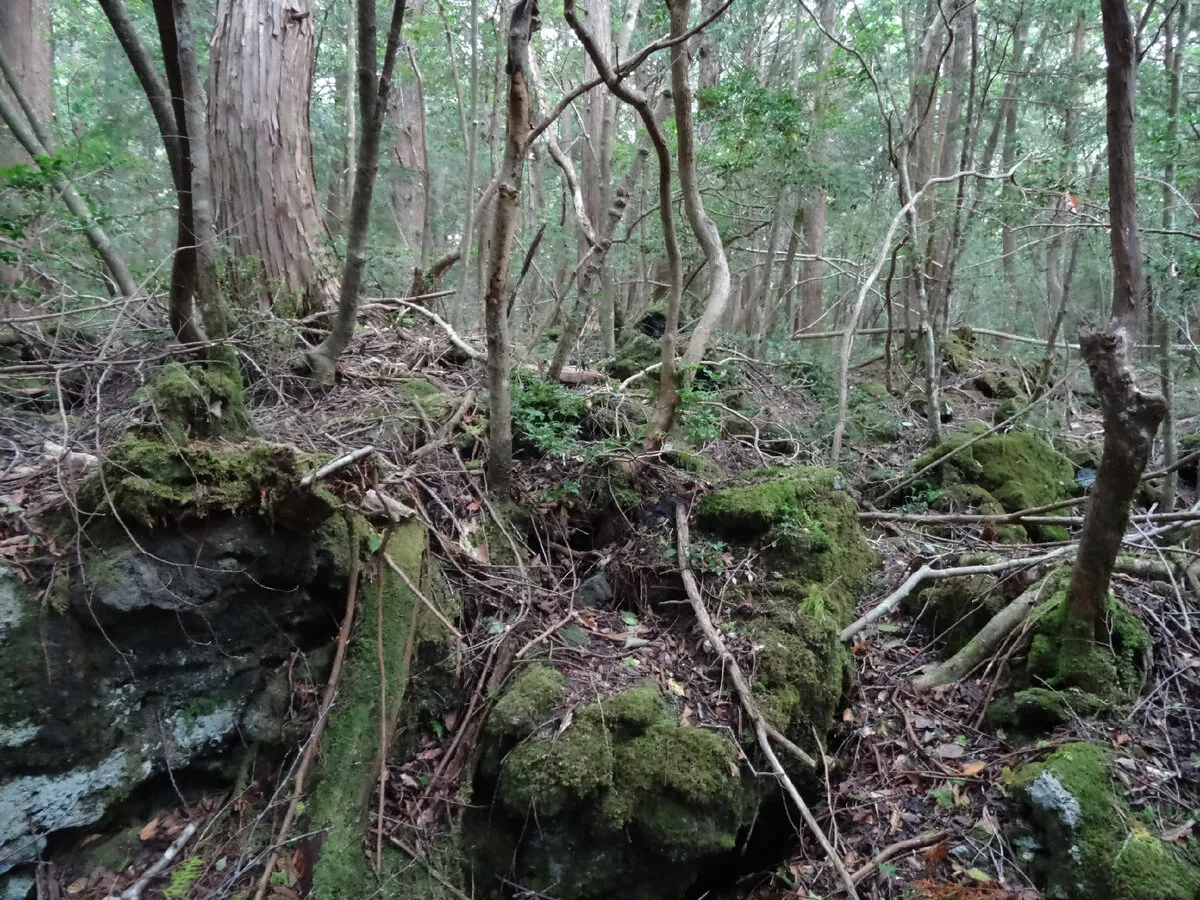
(989, 639)
(761, 730)
(340, 463)
(928, 573)
(134, 892)
(437, 613)
(897, 849)
(441, 323)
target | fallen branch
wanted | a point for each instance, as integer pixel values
(984, 644)
(441, 323)
(1013, 518)
(437, 613)
(340, 463)
(897, 849)
(310, 749)
(928, 573)
(135, 891)
(761, 731)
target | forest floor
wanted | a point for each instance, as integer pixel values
(913, 796)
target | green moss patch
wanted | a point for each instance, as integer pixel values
(806, 528)
(350, 747)
(1019, 469)
(621, 793)
(1065, 677)
(202, 400)
(1091, 845)
(149, 482)
(954, 609)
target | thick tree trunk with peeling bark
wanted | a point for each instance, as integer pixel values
(25, 41)
(264, 190)
(508, 208)
(1131, 418)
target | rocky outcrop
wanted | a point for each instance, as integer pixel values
(151, 654)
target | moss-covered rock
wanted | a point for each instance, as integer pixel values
(637, 353)
(999, 386)
(806, 528)
(1089, 843)
(1020, 469)
(974, 500)
(628, 802)
(202, 400)
(1064, 676)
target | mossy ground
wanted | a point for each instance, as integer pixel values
(1093, 846)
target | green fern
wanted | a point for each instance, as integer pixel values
(183, 878)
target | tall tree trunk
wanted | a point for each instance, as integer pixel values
(25, 43)
(1178, 31)
(812, 268)
(260, 70)
(704, 228)
(1131, 418)
(508, 208)
(1010, 195)
(461, 300)
(409, 169)
(373, 97)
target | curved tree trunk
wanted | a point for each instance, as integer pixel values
(264, 191)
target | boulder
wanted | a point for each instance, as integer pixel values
(1088, 843)
(155, 661)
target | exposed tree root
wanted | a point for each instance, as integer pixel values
(762, 731)
(984, 644)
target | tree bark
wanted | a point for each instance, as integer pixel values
(704, 228)
(25, 43)
(1173, 58)
(265, 196)
(458, 305)
(812, 268)
(409, 168)
(508, 207)
(373, 97)
(1131, 418)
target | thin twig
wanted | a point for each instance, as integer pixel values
(438, 614)
(897, 849)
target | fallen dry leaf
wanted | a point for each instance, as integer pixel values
(974, 768)
(149, 829)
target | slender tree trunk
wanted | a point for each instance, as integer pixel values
(704, 228)
(33, 135)
(663, 414)
(265, 195)
(25, 43)
(812, 269)
(458, 305)
(1131, 418)
(508, 208)
(1010, 196)
(373, 96)
(1176, 31)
